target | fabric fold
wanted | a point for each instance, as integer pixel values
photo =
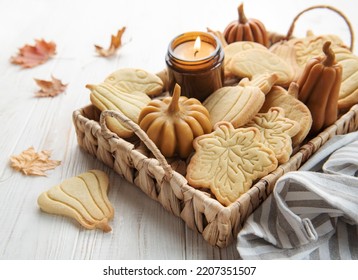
(310, 214)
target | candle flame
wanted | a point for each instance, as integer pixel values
(197, 45)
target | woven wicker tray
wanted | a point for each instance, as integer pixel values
(140, 162)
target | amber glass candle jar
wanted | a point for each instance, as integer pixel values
(198, 69)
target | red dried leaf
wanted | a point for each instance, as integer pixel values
(31, 163)
(50, 88)
(31, 56)
(116, 43)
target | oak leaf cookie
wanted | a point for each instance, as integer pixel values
(228, 161)
(253, 62)
(276, 132)
(234, 48)
(135, 80)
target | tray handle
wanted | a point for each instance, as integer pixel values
(168, 171)
(290, 30)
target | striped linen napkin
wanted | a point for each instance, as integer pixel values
(312, 213)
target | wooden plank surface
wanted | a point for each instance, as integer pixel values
(142, 229)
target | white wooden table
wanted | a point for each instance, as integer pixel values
(142, 229)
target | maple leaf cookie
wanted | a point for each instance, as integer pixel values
(228, 161)
(276, 131)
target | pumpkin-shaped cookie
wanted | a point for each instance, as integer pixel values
(234, 104)
(108, 97)
(348, 94)
(174, 122)
(246, 29)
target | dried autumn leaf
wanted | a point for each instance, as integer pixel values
(50, 88)
(116, 42)
(31, 56)
(31, 163)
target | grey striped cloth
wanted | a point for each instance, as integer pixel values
(312, 213)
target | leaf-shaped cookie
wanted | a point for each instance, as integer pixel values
(83, 198)
(255, 62)
(234, 48)
(298, 51)
(276, 131)
(134, 80)
(295, 109)
(228, 160)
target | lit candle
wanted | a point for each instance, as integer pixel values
(194, 61)
(194, 50)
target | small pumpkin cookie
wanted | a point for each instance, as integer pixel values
(135, 80)
(235, 104)
(253, 62)
(83, 198)
(276, 132)
(228, 161)
(294, 109)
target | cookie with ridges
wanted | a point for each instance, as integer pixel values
(295, 109)
(228, 161)
(135, 80)
(234, 48)
(83, 198)
(276, 132)
(235, 104)
(255, 62)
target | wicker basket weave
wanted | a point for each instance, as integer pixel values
(147, 168)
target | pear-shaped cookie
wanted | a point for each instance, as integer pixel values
(83, 198)
(108, 97)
